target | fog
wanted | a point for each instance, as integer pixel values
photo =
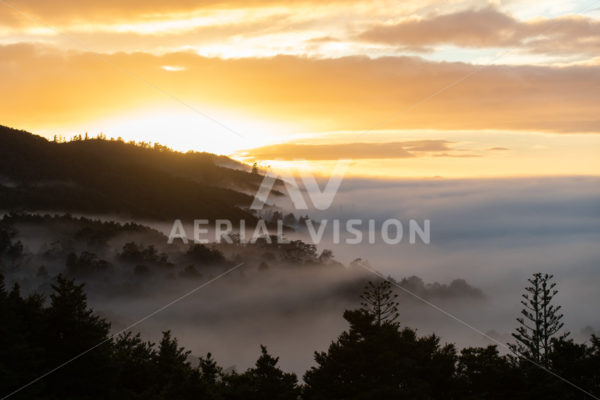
(494, 234)
(487, 238)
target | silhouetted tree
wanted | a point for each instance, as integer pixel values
(575, 362)
(326, 256)
(21, 331)
(72, 328)
(374, 359)
(379, 300)
(290, 220)
(265, 381)
(483, 374)
(541, 320)
(203, 255)
(210, 372)
(176, 377)
(371, 361)
(133, 179)
(134, 361)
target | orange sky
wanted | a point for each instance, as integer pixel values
(423, 88)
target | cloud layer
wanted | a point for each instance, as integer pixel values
(233, 28)
(351, 150)
(490, 27)
(323, 94)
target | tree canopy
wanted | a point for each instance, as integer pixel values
(62, 340)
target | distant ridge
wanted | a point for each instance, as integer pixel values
(113, 177)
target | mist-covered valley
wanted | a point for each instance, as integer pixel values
(275, 294)
(486, 240)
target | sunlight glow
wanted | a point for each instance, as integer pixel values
(185, 130)
(173, 68)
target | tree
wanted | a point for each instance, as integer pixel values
(210, 372)
(326, 256)
(270, 381)
(577, 363)
(176, 378)
(375, 359)
(20, 350)
(72, 328)
(483, 374)
(541, 320)
(203, 255)
(210, 376)
(265, 381)
(379, 301)
(290, 220)
(371, 361)
(134, 361)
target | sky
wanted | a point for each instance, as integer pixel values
(404, 89)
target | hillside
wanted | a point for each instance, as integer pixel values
(113, 177)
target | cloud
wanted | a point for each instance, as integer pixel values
(65, 12)
(407, 149)
(173, 68)
(490, 27)
(457, 155)
(497, 149)
(158, 35)
(348, 93)
(234, 28)
(323, 39)
(482, 28)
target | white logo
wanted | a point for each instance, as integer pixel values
(321, 199)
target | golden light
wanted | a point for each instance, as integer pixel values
(211, 130)
(173, 68)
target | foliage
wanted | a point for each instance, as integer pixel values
(202, 255)
(112, 177)
(373, 359)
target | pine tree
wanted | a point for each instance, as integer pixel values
(379, 301)
(541, 320)
(71, 328)
(265, 381)
(210, 372)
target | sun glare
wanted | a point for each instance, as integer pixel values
(173, 68)
(216, 131)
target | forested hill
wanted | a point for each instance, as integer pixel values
(113, 177)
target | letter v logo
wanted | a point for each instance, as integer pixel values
(321, 199)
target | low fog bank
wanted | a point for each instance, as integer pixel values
(288, 296)
(487, 238)
(492, 232)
